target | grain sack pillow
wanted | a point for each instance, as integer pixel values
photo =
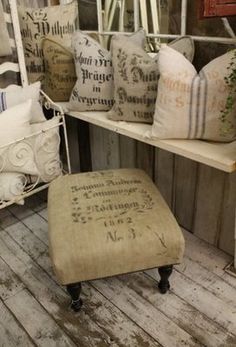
(14, 95)
(185, 46)
(12, 184)
(136, 76)
(60, 76)
(5, 47)
(189, 104)
(94, 87)
(58, 22)
(15, 125)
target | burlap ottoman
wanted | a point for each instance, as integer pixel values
(108, 223)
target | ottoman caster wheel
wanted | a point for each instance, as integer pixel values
(163, 287)
(76, 305)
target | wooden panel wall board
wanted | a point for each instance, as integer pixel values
(104, 146)
(185, 183)
(53, 2)
(164, 174)
(202, 198)
(226, 237)
(127, 152)
(84, 146)
(73, 142)
(209, 199)
(32, 3)
(145, 158)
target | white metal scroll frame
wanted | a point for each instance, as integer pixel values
(20, 67)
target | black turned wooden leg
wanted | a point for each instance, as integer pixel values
(164, 272)
(74, 290)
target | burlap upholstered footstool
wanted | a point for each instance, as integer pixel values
(108, 223)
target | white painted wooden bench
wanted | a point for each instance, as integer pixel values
(221, 156)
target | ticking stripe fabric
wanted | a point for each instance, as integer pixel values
(3, 102)
(197, 107)
(189, 105)
(14, 95)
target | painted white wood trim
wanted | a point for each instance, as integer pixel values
(100, 21)
(235, 240)
(184, 5)
(107, 8)
(121, 15)
(224, 40)
(136, 14)
(155, 16)
(19, 45)
(143, 14)
(228, 27)
(9, 67)
(221, 156)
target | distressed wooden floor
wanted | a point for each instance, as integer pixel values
(128, 311)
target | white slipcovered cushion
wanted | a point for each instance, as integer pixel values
(15, 125)
(14, 95)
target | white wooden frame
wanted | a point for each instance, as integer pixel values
(137, 25)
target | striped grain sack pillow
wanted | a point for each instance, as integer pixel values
(189, 104)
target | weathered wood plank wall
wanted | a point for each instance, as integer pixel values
(202, 198)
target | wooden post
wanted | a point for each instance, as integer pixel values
(235, 240)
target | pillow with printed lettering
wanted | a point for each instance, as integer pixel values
(60, 76)
(59, 22)
(189, 104)
(136, 75)
(94, 87)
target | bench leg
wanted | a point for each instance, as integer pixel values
(164, 272)
(74, 290)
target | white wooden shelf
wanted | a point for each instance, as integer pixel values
(221, 156)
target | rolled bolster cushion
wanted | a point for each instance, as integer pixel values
(12, 184)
